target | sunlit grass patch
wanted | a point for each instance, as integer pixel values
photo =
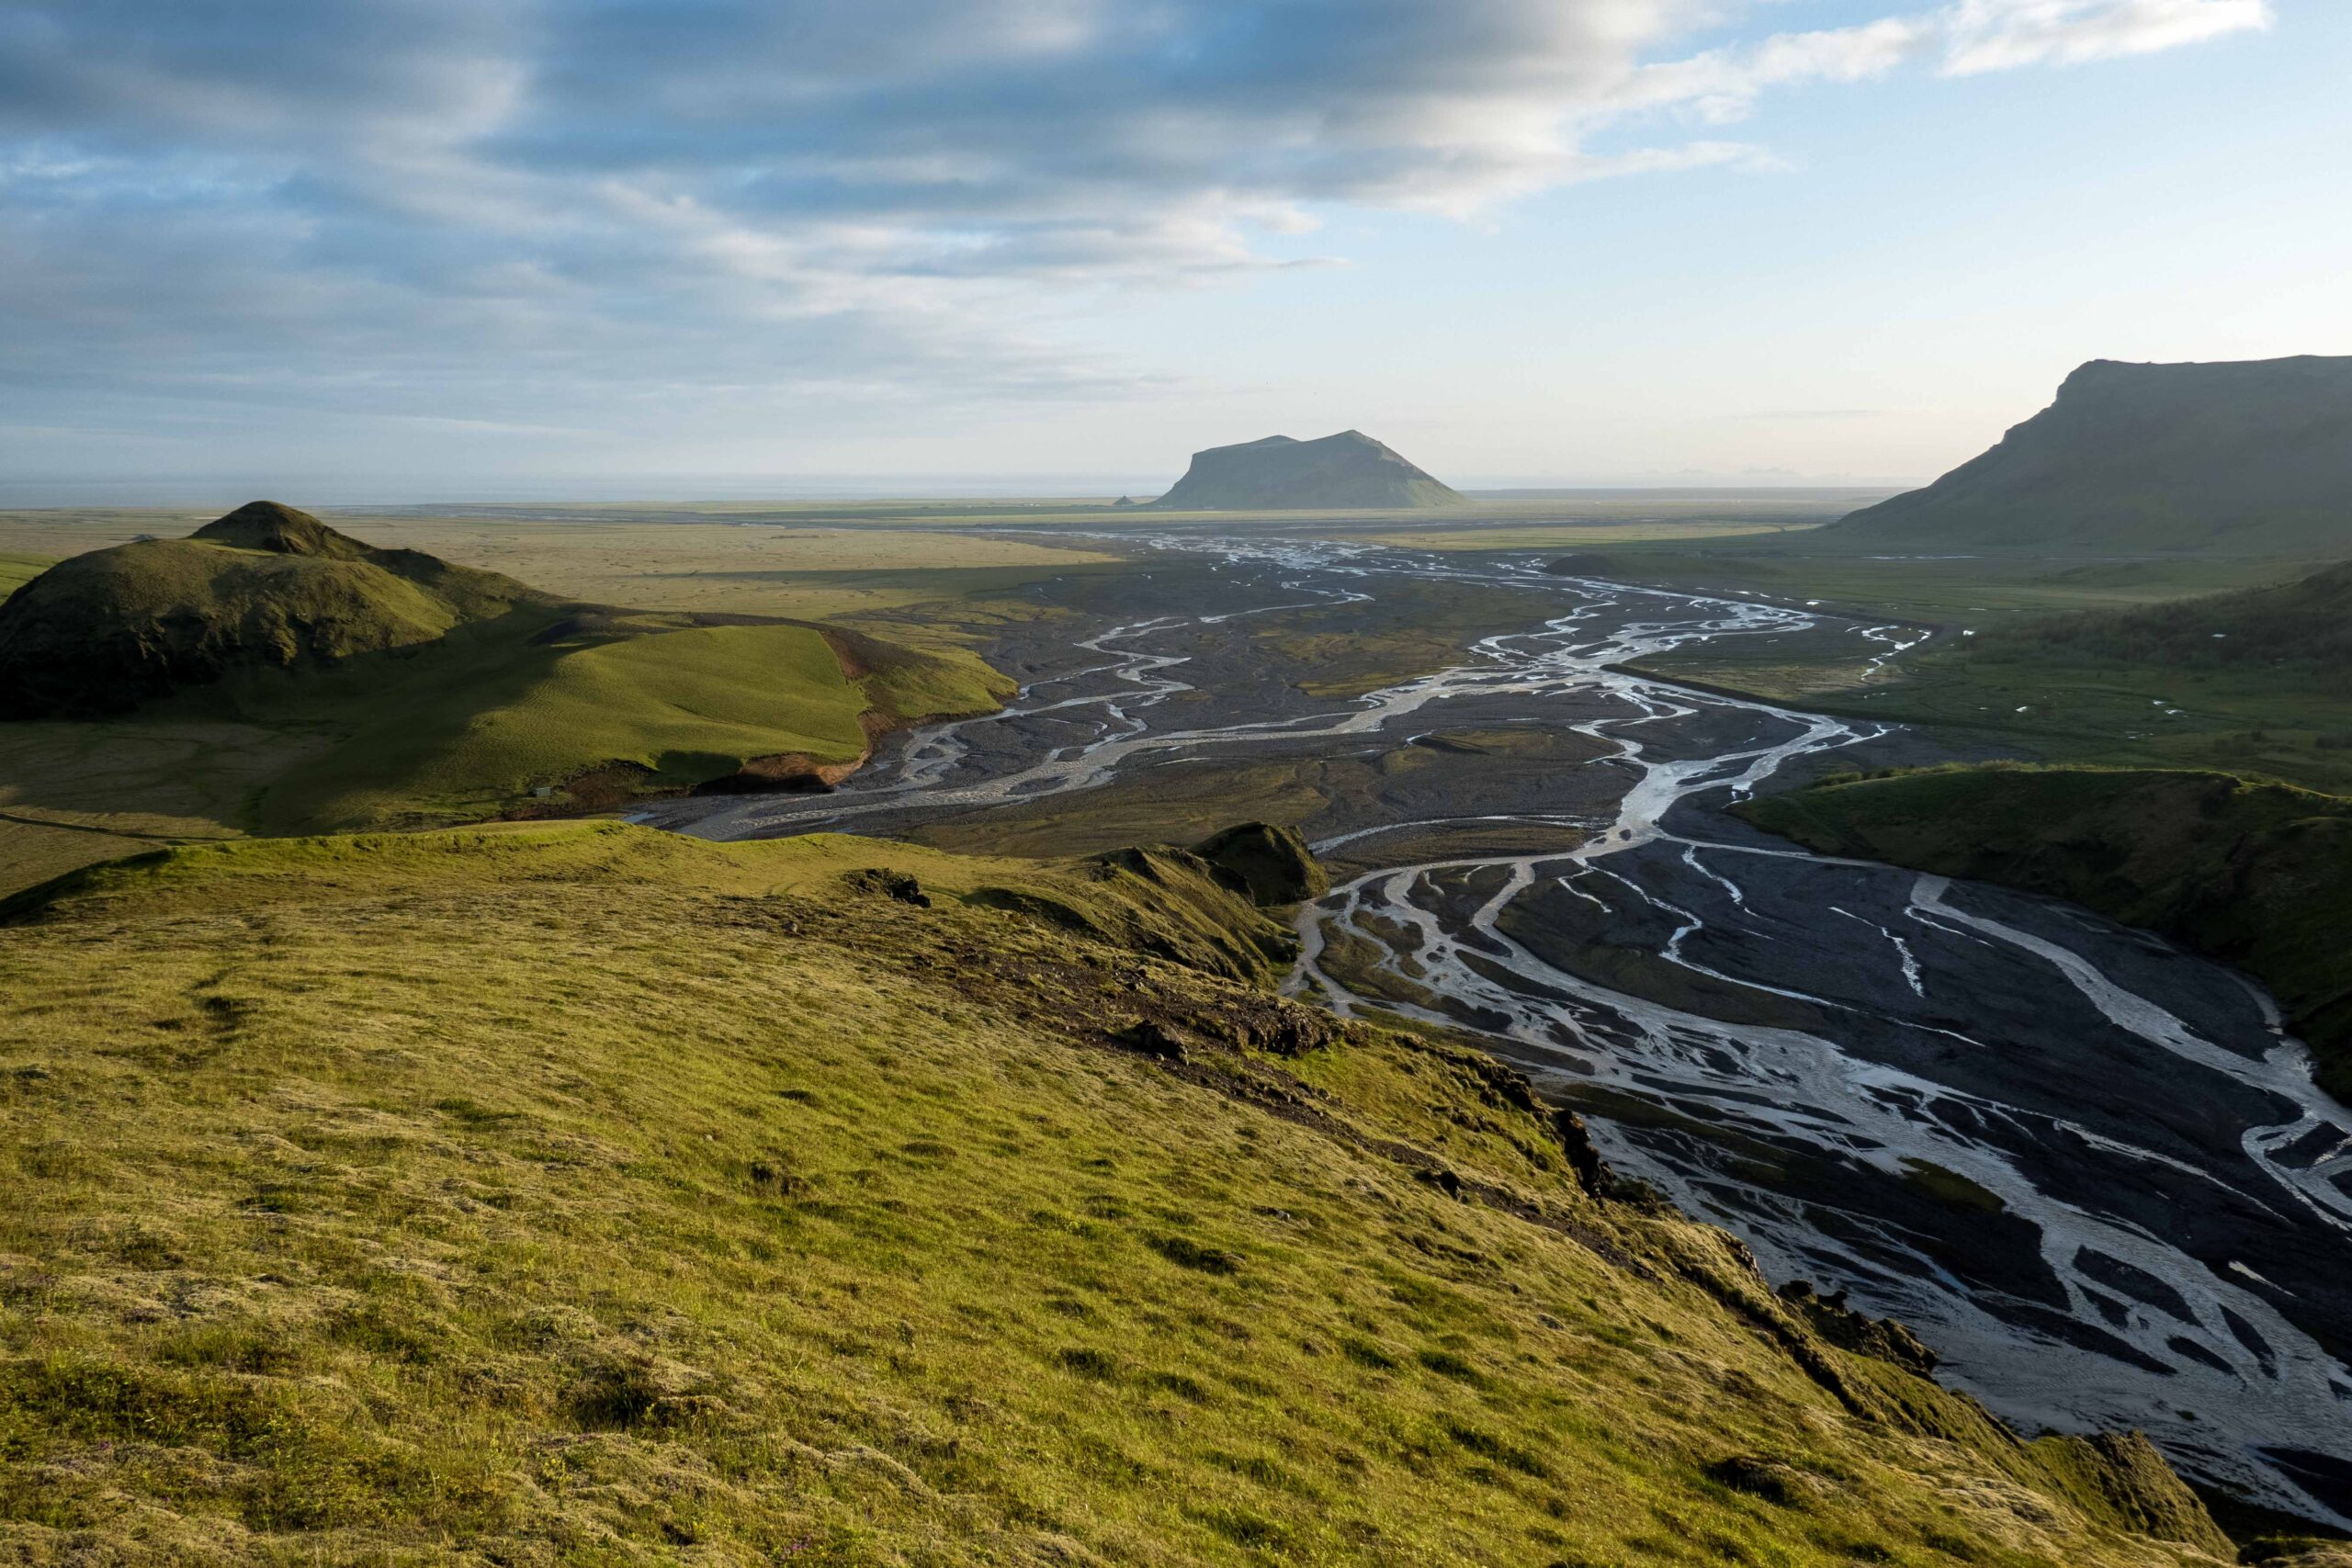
(574, 1193)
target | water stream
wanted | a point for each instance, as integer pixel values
(2087, 1169)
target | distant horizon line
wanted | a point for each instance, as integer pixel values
(201, 490)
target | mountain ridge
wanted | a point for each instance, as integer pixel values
(2245, 457)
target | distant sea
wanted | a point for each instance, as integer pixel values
(347, 492)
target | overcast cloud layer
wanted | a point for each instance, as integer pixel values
(589, 215)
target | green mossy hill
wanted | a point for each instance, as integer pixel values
(2248, 458)
(2255, 874)
(568, 1194)
(1349, 471)
(1273, 862)
(263, 587)
(405, 691)
(2299, 628)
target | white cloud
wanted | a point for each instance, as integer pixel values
(1968, 38)
(2003, 35)
(426, 199)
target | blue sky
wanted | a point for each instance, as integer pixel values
(412, 248)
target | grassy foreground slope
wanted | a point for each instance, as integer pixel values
(2257, 874)
(573, 1193)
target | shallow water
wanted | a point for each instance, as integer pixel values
(2086, 1168)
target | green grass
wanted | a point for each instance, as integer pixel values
(16, 571)
(2298, 628)
(348, 687)
(264, 587)
(2045, 704)
(475, 726)
(573, 1193)
(1978, 591)
(71, 794)
(468, 726)
(2258, 875)
(2008, 683)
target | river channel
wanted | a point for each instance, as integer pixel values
(2086, 1168)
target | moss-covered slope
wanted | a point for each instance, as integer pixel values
(410, 689)
(2256, 874)
(571, 1193)
(2297, 633)
(263, 587)
(2252, 459)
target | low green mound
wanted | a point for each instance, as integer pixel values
(1273, 863)
(573, 1193)
(2256, 874)
(2303, 627)
(263, 587)
(410, 691)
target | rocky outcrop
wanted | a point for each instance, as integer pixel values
(1273, 863)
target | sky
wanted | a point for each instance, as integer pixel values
(449, 249)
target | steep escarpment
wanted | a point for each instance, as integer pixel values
(2257, 874)
(1350, 469)
(566, 1192)
(2246, 459)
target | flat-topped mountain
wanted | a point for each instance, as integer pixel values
(2252, 458)
(266, 586)
(1350, 469)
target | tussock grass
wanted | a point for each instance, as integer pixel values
(571, 1193)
